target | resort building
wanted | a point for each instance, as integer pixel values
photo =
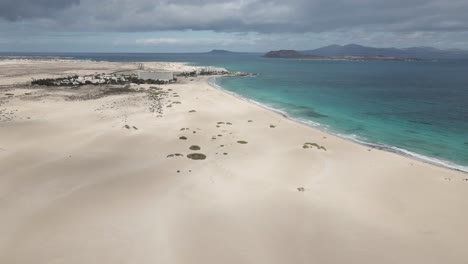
(156, 75)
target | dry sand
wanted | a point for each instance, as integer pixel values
(85, 178)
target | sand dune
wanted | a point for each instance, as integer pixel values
(92, 181)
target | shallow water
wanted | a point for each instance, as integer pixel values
(420, 107)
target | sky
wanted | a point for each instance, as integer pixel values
(237, 25)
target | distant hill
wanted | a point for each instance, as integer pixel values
(283, 54)
(218, 51)
(293, 54)
(413, 52)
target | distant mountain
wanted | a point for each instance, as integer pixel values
(293, 54)
(413, 52)
(283, 54)
(218, 51)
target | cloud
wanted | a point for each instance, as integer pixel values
(194, 41)
(264, 16)
(14, 10)
(291, 23)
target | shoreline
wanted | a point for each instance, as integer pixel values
(390, 149)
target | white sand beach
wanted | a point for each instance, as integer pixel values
(85, 177)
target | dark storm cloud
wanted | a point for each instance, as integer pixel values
(264, 16)
(25, 9)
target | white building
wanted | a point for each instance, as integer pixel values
(155, 75)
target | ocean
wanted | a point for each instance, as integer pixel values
(417, 108)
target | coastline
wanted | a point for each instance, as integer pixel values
(96, 174)
(318, 126)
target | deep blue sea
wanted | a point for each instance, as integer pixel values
(417, 108)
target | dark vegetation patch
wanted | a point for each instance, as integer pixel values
(196, 156)
(194, 147)
(192, 111)
(97, 93)
(118, 90)
(183, 138)
(242, 142)
(175, 155)
(310, 145)
(74, 81)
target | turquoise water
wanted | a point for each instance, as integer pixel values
(413, 108)
(407, 107)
